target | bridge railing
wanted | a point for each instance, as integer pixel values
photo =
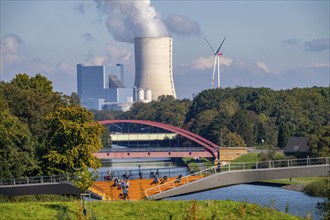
(99, 191)
(152, 149)
(36, 180)
(275, 164)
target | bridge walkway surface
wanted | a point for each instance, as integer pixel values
(137, 187)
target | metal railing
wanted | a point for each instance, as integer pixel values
(36, 180)
(152, 149)
(145, 173)
(46, 180)
(98, 190)
(275, 164)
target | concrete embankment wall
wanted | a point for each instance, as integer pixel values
(228, 154)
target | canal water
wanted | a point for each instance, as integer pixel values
(296, 203)
(165, 166)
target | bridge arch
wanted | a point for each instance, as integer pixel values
(208, 145)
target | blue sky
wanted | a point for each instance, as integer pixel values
(276, 44)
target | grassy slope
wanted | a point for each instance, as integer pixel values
(250, 157)
(141, 210)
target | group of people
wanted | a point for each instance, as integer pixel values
(108, 176)
(123, 183)
(156, 178)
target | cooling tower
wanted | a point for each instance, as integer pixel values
(153, 65)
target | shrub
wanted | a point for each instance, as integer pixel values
(38, 198)
(317, 188)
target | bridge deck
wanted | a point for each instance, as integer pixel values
(239, 173)
(138, 187)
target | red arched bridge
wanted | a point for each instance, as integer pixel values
(143, 139)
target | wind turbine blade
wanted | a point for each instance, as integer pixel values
(220, 45)
(210, 46)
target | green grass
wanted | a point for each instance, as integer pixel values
(140, 210)
(297, 181)
(250, 157)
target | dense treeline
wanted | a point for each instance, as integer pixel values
(244, 116)
(43, 132)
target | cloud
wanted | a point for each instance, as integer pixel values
(111, 56)
(82, 7)
(127, 20)
(66, 67)
(11, 45)
(88, 37)
(290, 41)
(118, 54)
(317, 65)
(206, 63)
(15, 58)
(203, 63)
(94, 60)
(243, 73)
(262, 66)
(182, 25)
(317, 45)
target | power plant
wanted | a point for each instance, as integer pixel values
(153, 65)
(97, 89)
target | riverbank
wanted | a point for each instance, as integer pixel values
(140, 210)
(293, 187)
(313, 186)
(286, 201)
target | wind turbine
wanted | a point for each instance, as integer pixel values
(217, 55)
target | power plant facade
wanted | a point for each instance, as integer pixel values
(153, 66)
(97, 89)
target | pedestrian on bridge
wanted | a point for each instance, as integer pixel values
(178, 179)
(155, 181)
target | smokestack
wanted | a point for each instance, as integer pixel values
(153, 65)
(121, 72)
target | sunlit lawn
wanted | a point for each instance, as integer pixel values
(140, 210)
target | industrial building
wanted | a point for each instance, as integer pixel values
(97, 89)
(153, 65)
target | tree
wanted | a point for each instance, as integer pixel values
(231, 139)
(38, 82)
(202, 121)
(31, 100)
(106, 138)
(242, 124)
(320, 143)
(324, 207)
(286, 130)
(73, 137)
(17, 146)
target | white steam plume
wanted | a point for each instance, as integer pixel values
(129, 19)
